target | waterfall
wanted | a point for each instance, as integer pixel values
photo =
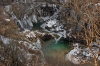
(34, 18)
(26, 21)
(5, 40)
(8, 8)
(55, 15)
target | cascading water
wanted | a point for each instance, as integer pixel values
(5, 40)
(28, 19)
(26, 22)
(32, 15)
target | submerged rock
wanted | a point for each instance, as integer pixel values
(47, 37)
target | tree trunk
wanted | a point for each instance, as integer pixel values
(96, 62)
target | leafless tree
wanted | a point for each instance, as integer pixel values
(87, 20)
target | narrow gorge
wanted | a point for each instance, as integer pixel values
(49, 33)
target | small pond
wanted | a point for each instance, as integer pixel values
(54, 52)
(52, 48)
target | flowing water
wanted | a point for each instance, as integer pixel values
(54, 51)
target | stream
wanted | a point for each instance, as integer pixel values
(54, 51)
